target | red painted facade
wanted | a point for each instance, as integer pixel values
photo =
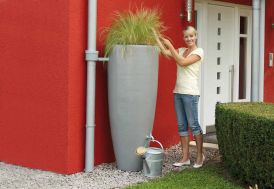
(42, 81)
(43, 72)
(34, 83)
(269, 48)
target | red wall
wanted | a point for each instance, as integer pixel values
(76, 68)
(34, 83)
(42, 77)
(269, 47)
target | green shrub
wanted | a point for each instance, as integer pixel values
(245, 133)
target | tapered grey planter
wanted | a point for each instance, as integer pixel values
(132, 92)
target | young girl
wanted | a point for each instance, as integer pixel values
(186, 92)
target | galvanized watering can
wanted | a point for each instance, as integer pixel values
(152, 159)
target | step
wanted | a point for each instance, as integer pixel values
(206, 145)
(210, 129)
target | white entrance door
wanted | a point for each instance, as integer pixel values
(220, 55)
(219, 35)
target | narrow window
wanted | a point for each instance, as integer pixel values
(219, 31)
(243, 25)
(219, 16)
(242, 68)
(218, 75)
(218, 60)
(218, 90)
(218, 46)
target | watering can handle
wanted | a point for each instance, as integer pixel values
(153, 140)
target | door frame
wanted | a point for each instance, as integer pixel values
(246, 13)
(239, 10)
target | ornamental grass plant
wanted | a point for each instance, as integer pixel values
(134, 28)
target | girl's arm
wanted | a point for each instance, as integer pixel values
(163, 49)
(180, 60)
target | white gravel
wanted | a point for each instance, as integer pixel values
(103, 176)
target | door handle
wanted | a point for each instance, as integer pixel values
(231, 71)
(270, 59)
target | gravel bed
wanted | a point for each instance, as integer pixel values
(104, 176)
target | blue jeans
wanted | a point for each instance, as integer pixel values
(186, 107)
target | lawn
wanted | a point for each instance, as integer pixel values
(210, 176)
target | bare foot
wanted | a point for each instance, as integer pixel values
(200, 159)
(184, 159)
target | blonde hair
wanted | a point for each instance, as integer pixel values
(190, 29)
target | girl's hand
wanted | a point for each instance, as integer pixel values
(166, 42)
(162, 47)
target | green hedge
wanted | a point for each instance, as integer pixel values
(245, 133)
